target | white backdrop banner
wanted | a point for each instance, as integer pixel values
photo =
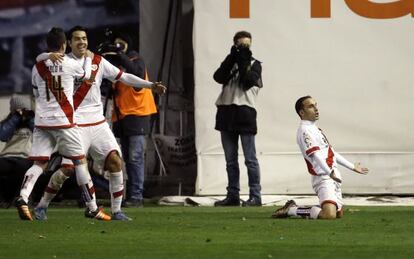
(359, 69)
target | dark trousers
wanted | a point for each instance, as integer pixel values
(12, 171)
(230, 142)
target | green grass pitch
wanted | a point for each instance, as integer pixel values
(195, 232)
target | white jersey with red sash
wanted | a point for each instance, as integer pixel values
(310, 140)
(53, 86)
(87, 96)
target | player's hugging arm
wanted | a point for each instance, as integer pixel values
(87, 65)
(55, 57)
(321, 161)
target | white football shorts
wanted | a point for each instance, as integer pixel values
(66, 141)
(97, 141)
(329, 191)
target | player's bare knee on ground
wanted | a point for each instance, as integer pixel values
(328, 211)
(113, 162)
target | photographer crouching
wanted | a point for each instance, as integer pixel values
(132, 113)
(16, 130)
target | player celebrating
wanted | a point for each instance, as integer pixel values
(98, 139)
(321, 160)
(55, 125)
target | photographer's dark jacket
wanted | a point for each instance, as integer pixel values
(236, 104)
(16, 131)
(133, 107)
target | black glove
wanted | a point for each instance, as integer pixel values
(234, 51)
(243, 59)
(27, 115)
(244, 54)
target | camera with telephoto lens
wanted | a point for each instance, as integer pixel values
(108, 46)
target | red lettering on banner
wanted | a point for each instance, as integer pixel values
(321, 8)
(239, 8)
(366, 8)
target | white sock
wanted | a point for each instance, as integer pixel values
(54, 185)
(29, 181)
(314, 212)
(305, 212)
(292, 211)
(116, 188)
(84, 181)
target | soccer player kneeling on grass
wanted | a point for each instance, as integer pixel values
(322, 161)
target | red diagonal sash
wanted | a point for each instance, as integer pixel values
(83, 90)
(60, 96)
(330, 158)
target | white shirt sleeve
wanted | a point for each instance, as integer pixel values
(42, 57)
(309, 142)
(321, 161)
(109, 71)
(87, 67)
(343, 161)
(34, 83)
(134, 81)
(113, 73)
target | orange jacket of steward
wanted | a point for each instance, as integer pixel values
(132, 107)
(132, 101)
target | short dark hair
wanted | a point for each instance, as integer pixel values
(123, 35)
(241, 34)
(299, 103)
(55, 39)
(76, 28)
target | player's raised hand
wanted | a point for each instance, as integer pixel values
(360, 169)
(159, 88)
(56, 57)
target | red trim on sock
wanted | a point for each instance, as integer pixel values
(50, 190)
(117, 194)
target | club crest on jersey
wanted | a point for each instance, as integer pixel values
(307, 140)
(94, 67)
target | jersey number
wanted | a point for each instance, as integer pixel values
(54, 84)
